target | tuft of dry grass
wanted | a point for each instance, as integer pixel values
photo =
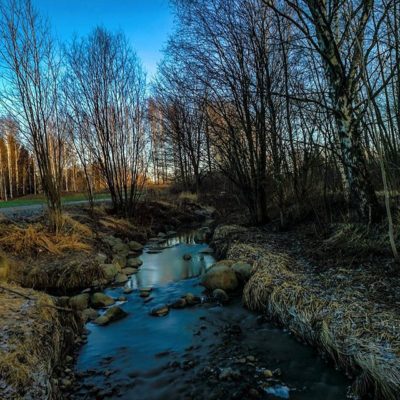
(359, 240)
(33, 239)
(63, 275)
(188, 197)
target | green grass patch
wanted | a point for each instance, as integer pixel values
(39, 200)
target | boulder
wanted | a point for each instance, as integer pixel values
(134, 262)
(112, 314)
(128, 290)
(120, 278)
(243, 271)
(89, 314)
(160, 311)
(79, 302)
(101, 300)
(220, 277)
(110, 271)
(228, 263)
(135, 246)
(220, 295)
(129, 271)
(187, 257)
(111, 240)
(101, 258)
(120, 248)
(119, 260)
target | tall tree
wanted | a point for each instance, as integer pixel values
(30, 77)
(105, 89)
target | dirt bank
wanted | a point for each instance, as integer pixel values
(35, 336)
(349, 313)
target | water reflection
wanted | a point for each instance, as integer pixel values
(168, 265)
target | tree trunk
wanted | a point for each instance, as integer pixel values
(363, 202)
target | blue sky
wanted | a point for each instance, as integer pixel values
(147, 23)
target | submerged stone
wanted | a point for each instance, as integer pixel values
(144, 292)
(160, 311)
(191, 299)
(128, 290)
(179, 303)
(220, 295)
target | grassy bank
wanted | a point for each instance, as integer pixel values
(343, 312)
(40, 200)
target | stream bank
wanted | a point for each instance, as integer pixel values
(41, 327)
(206, 348)
(349, 314)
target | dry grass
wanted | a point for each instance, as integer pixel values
(188, 197)
(32, 239)
(358, 240)
(63, 275)
(4, 267)
(359, 335)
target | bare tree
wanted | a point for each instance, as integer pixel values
(106, 91)
(30, 77)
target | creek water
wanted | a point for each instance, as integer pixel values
(182, 354)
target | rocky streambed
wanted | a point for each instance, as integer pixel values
(171, 338)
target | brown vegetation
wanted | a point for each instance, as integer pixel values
(33, 343)
(349, 312)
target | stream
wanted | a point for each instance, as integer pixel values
(207, 351)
